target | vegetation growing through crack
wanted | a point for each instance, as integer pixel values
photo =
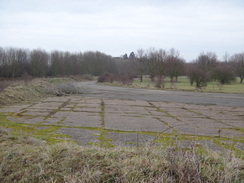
(68, 162)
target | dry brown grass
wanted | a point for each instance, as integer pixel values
(31, 90)
(25, 159)
(5, 83)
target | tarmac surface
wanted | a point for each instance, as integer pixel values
(92, 89)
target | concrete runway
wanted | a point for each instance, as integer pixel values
(104, 121)
(92, 89)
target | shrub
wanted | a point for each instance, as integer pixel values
(198, 76)
(223, 74)
(125, 78)
(106, 77)
(159, 83)
(63, 89)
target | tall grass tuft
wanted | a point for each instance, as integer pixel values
(30, 160)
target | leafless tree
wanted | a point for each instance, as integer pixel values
(3, 63)
(13, 62)
(237, 61)
(39, 62)
(175, 66)
(207, 61)
(201, 69)
(197, 75)
(223, 73)
(156, 63)
(141, 59)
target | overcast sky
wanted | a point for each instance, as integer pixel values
(116, 27)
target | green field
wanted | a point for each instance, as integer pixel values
(183, 84)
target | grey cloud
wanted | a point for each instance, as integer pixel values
(116, 27)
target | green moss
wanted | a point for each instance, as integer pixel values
(104, 140)
(61, 121)
(50, 135)
(235, 129)
(3, 118)
(231, 146)
(16, 127)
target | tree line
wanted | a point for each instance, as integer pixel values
(156, 63)
(16, 62)
(160, 63)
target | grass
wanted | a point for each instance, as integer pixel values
(34, 90)
(68, 162)
(183, 84)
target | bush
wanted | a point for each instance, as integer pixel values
(198, 76)
(63, 89)
(125, 78)
(106, 77)
(159, 83)
(223, 74)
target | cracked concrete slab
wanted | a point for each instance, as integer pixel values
(123, 120)
(82, 120)
(48, 105)
(129, 139)
(82, 136)
(13, 109)
(127, 123)
(35, 113)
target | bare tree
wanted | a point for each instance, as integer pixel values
(56, 67)
(22, 62)
(207, 61)
(223, 73)
(175, 65)
(12, 62)
(197, 75)
(237, 61)
(156, 63)
(39, 62)
(200, 70)
(3, 63)
(141, 59)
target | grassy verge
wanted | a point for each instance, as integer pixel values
(183, 84)
(67, 162)
(28, 92)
